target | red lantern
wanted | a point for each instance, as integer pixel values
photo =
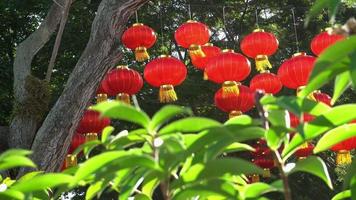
(304, 151)
(294, 72)
(234, 104)
(191, 35)
(322, 97)
(165, 72)
(323, 40)
(103, 91)
(124, 82)
(259, 45)
(266, 163)
(228, 68)
(294, 120)
(343, 156)
(201, 62)
(92, 124)
(139, 38)
(268, 82)
(71, 159)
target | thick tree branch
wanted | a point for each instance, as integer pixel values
(101, 53)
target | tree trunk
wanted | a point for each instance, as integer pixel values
(25, 123)
(101, 53)
(4, 131)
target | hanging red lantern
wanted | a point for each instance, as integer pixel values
(165, 72)
(201, 62)
(304, 151)
(322, 97)
(234, 104)
(124, 82)
(71, 159)
(294, 120)
(103, 91)
(139, 38)
(92, 124)
(191, 35)
(228, 69)
(266, 163)
(266, 81)
(294, 72)
(323, 40)
(259, 45)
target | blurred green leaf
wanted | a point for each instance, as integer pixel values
(335, 136)
(142, 197)
(12, 194)
(342, 82)
(122, 111)
(189, 125)
(332, 62)
(342, 195)
(275, 136)
(336, 116)
(150, 183)
(93, 189)
(353, 67)
(166, 113)
(131, 183)
(11, 161)
(313, 165)
(257, 189)
(42, 182)
(240, 120)
(87, 147)
(331, 5)
(106, 133)
(15, 152)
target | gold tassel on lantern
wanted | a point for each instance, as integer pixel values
(101, 98)
(205, 76)
(343, 157)
(141, 54)
(234, 113)
(266, 173)
(255, 178)
(70, 161)
(91, 137)
(167, 94)
(123, 97)
(262, 63)
(196, 51)
(230, 87)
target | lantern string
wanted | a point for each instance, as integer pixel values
(189, 11)
(224, 25)
(161, 24)
(256, 14)
(295, 30)
(136, 15)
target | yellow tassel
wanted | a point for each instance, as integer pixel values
(304, 145)
(123, 97)
(343, 157)
(91, 137)
(255, 178)
(141, 54)
(167, 94)
(310, 96)
(234, 113)
(230, 88)
(101, 98)
(205, 76)
(262, 63)
(266, 173)
(70, 161)
(196, 51)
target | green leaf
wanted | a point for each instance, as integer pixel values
(275, 136)
(353, 67)
(317, 8)
(257, 189)
(142, 197)
(166, 113)
(335, 136)
(87, 147)
(131, 183)
(42, 182)
(332, 62)
(106, 133)
(214, 169)
(122, 111)
(342, 195)
(245, 133)
(12, 194)
(11, 161)
(314, 165)
(15, 152)
(334, 117)
(93, 189)
(150, 183)
(342, 82)
(240, 120)
(189, 125)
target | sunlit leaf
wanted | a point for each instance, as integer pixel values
(166, 113)
(189, 125)
(342, 82)
(42, 182)
(342, 195)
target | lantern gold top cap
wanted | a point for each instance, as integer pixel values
(137, 24)
(164, 56)
(258, 30)
(191, 21)
(208, 44)
(299, 54)
(228, 50)
(122, 66)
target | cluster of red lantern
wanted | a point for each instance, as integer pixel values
(262, 157)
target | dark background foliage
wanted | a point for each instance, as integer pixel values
(18, 18)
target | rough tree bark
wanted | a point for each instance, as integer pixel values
(24, 124)
(101, 53)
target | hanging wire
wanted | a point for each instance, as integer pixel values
(295, 30)
(189, 11)
(161, 24)
(256, 15)
(224, 25)
(136, 15)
